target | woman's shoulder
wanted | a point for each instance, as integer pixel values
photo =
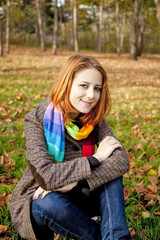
(103, 130)
(38, 112)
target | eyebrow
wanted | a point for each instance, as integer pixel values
(90, 83)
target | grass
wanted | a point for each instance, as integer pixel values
(26, 77)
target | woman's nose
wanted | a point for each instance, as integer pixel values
(90, 93)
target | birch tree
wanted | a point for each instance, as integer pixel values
(100, 20)
(157, 2)
(75, 27)
(40, 23)
(55, 29)
(120, 25)
(7, 27)
(134, 25)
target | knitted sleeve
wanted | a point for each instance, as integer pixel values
(114, 166)
(49, 176)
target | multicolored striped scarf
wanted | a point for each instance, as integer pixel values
(55, 134)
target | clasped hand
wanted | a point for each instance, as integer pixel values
(105, 149)
(44, 192)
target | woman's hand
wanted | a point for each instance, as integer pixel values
(64, 189)
(106, 147)
(38, 192)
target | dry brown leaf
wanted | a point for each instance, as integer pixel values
(156, 213)
(150, 196)
(126, 193)
(153, 180)
(19, 151)
(6, 160)
(2, 200)
(150, 203)
(132, 231)
(3, 228)
(145, 214)
(158, 198)
(146, 167)
(153, 188)
(58, 237)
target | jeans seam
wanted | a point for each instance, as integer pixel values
(109, 212)
(36, 211)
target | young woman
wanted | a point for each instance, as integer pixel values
(67, 182)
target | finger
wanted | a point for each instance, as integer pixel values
(117, 146)
(35, 196)
(45, 194)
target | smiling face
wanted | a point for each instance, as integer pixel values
(85, 90)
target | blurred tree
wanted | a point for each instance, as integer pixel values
(134, 29)
(40, 23)
(120, 25)
(8, 27)
(55, 29)
(157, 2)
(75, 26)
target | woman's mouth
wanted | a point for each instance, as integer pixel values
(86, 102)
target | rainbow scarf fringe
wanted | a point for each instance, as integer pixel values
(55, 134)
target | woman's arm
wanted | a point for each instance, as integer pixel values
(113, 166)
(49, 176)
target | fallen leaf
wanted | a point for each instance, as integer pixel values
(146, 167)
(153, 188)
(156, 213)
(126, 193)
(153, 180)
(150, 196)
(132, 231)
(6, 160)
(145, 214)
(3, 228)
(2, 200)
(150, 203)
(152, 172)
(58, 237)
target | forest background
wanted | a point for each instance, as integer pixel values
(36, 39)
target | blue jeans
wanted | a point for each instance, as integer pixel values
(69, 214)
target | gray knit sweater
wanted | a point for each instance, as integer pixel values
(41, 171)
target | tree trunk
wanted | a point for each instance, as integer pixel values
(12, 16)
(37, 30)
(60, 24)
(7, 27)
(68, 25)
(134, 29)
(40, 24)
(55, 29)
(1, 43)
(100, 27)
(75, 27)
(108, 28)
(157, 2)
(118, 29)
(122, 31)
(141, 33)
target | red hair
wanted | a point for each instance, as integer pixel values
(60, 93)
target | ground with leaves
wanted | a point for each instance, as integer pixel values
(26, 76)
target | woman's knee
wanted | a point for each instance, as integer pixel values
(52, 206)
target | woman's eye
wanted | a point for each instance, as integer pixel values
(84, 85)
(98, 89)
